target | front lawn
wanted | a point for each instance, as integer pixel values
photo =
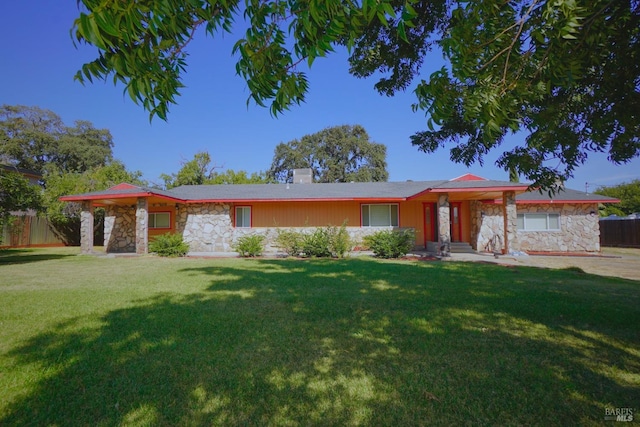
(152, 341)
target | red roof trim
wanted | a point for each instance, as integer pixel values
(328, 199)
(469, 177)
(420, 194)
(116, 196)
(479, 189)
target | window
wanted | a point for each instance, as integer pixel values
(538, 222)
(159, 220)
(379, 215)
(243, 216)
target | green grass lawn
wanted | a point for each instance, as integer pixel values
(151, 341)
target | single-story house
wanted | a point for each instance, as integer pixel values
(487, 215)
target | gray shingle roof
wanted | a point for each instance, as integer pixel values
(335, 191)
(345, 191)
(566, 195)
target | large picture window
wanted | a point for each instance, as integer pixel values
(243, 216)
(380, 215)
(538, 222)
(159, 220)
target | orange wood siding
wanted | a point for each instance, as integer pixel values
(172, 221)
(322, 214)
(305, 214)
(411, 215)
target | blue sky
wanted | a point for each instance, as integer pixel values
(38, 61)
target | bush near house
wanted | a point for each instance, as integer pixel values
(339, 241)
(322, 243)
(316, 244)
(390, 243)
(250, 246)
(169, 245)
(289, 241)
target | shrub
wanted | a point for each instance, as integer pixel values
(323, 242)
(390, 243)
(316, 244)
(289, 241)
(170, 245)
(250, 246)
(339, 241)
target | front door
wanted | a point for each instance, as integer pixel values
(456, 223)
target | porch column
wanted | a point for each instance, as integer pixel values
(444, 225)
(510, 221)
(86, 227)
(142, 226)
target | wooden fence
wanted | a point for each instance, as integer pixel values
(25, 231)
(620, 232)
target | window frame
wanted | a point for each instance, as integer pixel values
(235, 216)
(391, 211)
(547, 222)
(154, 214)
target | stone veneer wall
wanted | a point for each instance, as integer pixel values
(86, 228)
(356, 234)
(579, 229)
(487, 227)
(120, 229)
(208, 228)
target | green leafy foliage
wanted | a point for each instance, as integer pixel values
(289, 241)
(200, 170)
(250, 246)
(168, 245)
(563, 72)
(629, 195)
(339, 241)
(144, 44)
(391, 243)
(16, 194)
(316, 244)
(37, 139)
(324, 242)
(194, 172)
(335, 154)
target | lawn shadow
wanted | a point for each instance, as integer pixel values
(344, 342)
(25, 256)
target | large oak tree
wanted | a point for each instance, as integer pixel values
(335, 154)
(565, 72)
(37, 139)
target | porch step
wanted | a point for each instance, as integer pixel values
(456, 247)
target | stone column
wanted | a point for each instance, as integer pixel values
(86, 227)
(142, 226)
(444, 225)
(510, 221)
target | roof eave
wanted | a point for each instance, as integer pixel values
(87, 197)
(300, 199)
(550, 201)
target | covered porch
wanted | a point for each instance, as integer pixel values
(131, 217)
(486, 221)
